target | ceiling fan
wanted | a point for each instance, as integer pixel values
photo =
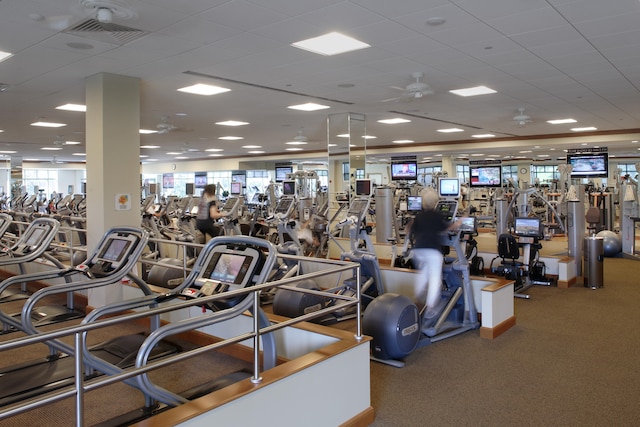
(521, 118)
(165, 126)
(414, 90)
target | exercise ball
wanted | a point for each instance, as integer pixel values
(612, 243)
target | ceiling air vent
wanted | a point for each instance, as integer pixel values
(105, 32)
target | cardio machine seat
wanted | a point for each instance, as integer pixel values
(508, 249)
(593, 219)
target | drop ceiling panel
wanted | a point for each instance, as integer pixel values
(242, 14)
(537, 19)
(199, 30)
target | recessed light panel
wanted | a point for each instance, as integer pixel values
(150, 146)
(403, 141)
(202, 89)
(5, 55)
(48, 124)
(473, 91)
(584, 129)
(450, 130)
(561, 121)
(309, 106)
(51, 148)
(147, 131)
(483, 135)
(72, 107)
(329, 44)
(232, 123)
(394, 121)
(231, 138)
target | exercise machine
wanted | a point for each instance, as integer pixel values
(398, 327)
(114, 258)
(232, 209)
(226, 265)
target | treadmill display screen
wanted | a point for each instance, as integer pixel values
(34, 237)
(115, 250)
(229, 268)
(414, 203)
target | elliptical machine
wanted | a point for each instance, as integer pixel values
(395, 323)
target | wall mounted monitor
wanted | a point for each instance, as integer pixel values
(363, 187)
(485, 176)
(589, 165)
(527, 227)
(236, 188)
(282, 171)
(404, 171)
(414, 203)
(239, 177)
(288, 188)
(449, 187)
(167, 180)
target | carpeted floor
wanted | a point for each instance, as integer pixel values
(571, 360)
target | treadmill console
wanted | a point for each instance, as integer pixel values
(358, 209)
(36, 235)
(112, 254)
(231, 206)
(447, 208)
(229, 267)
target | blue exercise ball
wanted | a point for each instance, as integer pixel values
(612, 243)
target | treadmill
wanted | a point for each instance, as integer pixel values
(114, 257)
(225, 264)
(32, 244)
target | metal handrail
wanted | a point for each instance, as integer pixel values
(81, 386)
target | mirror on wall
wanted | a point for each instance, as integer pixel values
(16, 176)
(346, 146)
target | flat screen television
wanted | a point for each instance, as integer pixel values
(282, 171)
(485, 176)
(414, 203)
(363, 187)
(589, 165)
(236, 188)
(404, 171)
(527, 227)
(288, 188)
(449, 187)
(240, 177)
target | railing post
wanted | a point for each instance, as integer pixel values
(79, 371)
(256, 378)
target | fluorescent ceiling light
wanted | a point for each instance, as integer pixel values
(1, 131)
(525, 151)
(309, 106)
(403, 141)
(213, 150)
(149, 146)
(369, 137)
(8, 152)
(231, 138)
(329, 44)
(584, 129)
(483, 135)
(394, 121)
(48, 124)
(252, 146)
(51, 148)
(216, 155)
(477, 155)
(173, 153)
(561, 121)
(143, 156)
(5, 55)
(182, 158)
(255, 152)
(294, 149)
(147, 131)
(72, 107)
(473, 91)
(72, 143)
(450, 130)
(296, 143)
(232, 123)
(81, 154)
(202, 89)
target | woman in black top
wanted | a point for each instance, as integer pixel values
(208, 212)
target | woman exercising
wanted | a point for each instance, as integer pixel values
(208, 212)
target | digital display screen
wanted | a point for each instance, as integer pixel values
(241, 178)
(289, 188)
(485, 176)
(282, 171)
(468, 224)
(34, 237)
(414, 203)
(404, 171)
(229, 268)
(167, 180)
(595, 165)
(115, 250)
(236, 188)
(363, 187)
(527, 227)
(449, 187)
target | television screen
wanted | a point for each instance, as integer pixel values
(528, 227)
(414, 203)
(485, 176)
(289, 188)
(236, 188)
(200, 179)
(363, 187)
(449, 187)
(241, 178)
(404, 171)
(282, 171)
(591, 165)
(167, 180)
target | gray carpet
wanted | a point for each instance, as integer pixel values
(571, 360)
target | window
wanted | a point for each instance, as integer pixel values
(359, 173)
(544, 174)
(43, 179)
(425, 174)
(462, 172)
(510, 172)
(628, 169)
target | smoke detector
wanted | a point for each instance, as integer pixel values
(106, 10)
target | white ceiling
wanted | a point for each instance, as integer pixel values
(554, 58)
